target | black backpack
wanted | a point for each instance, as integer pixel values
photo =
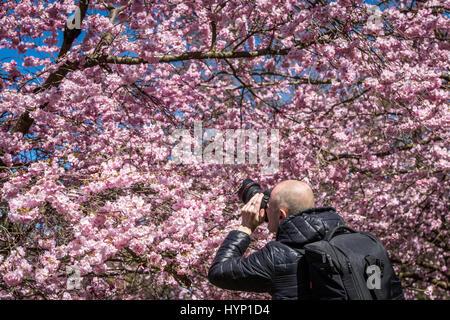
(347, 266)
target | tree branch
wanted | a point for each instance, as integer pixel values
(71, 34)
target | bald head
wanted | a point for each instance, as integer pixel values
(292, 195)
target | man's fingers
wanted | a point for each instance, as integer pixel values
(251, 213)
(261, 214)
(257, 198)
(254, 204)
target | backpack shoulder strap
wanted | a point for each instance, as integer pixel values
(303, 278)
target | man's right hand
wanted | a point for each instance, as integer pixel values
(252, 216)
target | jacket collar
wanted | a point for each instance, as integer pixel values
(308, 225)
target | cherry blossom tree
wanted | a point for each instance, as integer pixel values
(359, 96)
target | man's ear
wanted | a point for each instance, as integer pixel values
(283, 213)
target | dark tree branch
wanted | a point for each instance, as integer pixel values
(71, 34)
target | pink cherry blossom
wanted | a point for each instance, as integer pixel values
(362, 111)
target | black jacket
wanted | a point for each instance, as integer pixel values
(272, 269)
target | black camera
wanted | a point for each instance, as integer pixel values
(248, 189)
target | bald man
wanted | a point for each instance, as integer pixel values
(288, 197)
(295, 221)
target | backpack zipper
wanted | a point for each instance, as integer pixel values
(350, 270)
(355, 281)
